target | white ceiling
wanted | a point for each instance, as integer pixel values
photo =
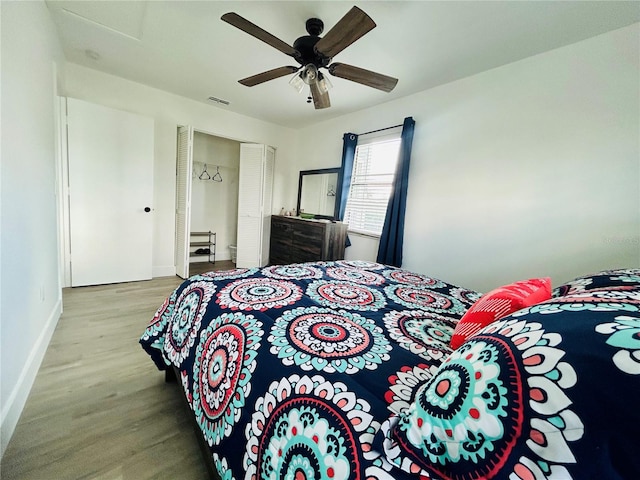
(183, 47)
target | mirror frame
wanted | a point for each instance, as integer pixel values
(322, 171)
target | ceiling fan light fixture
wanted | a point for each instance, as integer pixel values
(297, 83)
(324, 84)
(310, 74)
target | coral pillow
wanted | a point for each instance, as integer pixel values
(499, 303)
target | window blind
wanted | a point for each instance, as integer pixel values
(371, 184)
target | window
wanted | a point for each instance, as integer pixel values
(372, 179)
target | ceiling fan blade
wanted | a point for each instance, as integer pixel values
(268, 75)
(320, 98)
(245, 25)
(349, 28)
(365, 77)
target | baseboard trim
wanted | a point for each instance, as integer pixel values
(163, 271)
(12, 409)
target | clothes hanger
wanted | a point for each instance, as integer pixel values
(217, 177)
(204, 171)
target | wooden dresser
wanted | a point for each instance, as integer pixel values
(296, 240)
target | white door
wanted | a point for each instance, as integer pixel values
(110, 154)
(267, 196)
(249, 203)
(183, 199)
(254, 204)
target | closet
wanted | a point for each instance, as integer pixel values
(206, 198)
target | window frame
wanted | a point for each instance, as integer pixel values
(358, 180)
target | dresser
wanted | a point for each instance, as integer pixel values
(297, 240)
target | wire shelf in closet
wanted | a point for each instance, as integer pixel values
(203, 247)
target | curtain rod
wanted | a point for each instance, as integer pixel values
(380, 130)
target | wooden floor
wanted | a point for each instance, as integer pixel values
(200, 267)
(99, 408)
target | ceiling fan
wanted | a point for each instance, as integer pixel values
(313, 52)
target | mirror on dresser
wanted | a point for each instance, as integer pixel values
(318, 193)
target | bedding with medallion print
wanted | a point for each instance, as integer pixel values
(344, 370)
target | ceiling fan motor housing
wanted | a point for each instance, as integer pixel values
(314, 26)
(305, 45)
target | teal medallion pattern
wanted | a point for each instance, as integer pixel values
(468, 297)
(624, 335)
(224, 364)
(467, 419)
(424, 299)
(411, 278)
(405, 384)
(323, 339)
(422, 333)
(224, 472)
(460, 412)
(296, 271)
(258, 294)
(349, 295)
(306, 428)
(225, 274)
(156, 329)
(182, 328)
(363, 264)
(356, 275)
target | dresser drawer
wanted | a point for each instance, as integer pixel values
(309, 239)
(296, 240)
(282, 237)
(280, 226)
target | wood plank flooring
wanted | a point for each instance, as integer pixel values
(99, 408)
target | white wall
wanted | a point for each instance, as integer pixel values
(528, 169)
(31, 300)
(169, 111)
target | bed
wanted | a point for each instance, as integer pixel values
(336, 370)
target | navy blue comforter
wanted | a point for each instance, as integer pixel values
(343, 370)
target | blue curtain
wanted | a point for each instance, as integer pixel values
(391, 239)
(349, 143)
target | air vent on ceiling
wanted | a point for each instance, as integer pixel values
(218, 100)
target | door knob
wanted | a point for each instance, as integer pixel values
(147, 209)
